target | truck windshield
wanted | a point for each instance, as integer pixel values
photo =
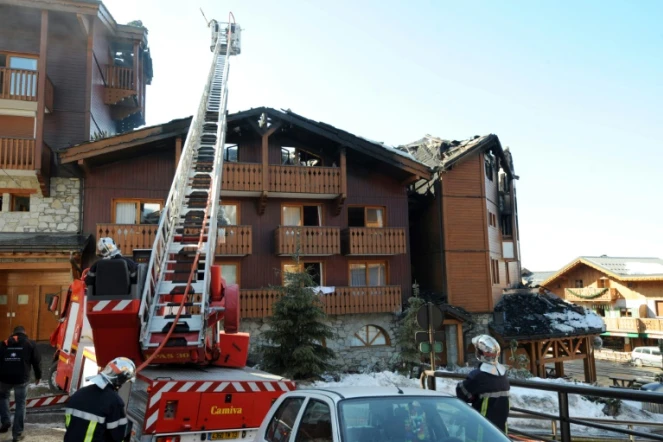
(413, 418)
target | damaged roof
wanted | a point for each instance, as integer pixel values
(534, 279)
(527, 315)
(42, 242)
(443, 154)
(622, 269)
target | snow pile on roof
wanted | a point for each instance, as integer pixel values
(534, 400)
(643, 268)
(529, 315)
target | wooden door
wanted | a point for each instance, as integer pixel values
(5, 313)
(23, 302)
(47, 320)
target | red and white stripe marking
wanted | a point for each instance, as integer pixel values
(162, 387)
(116, 306)
(43, 401)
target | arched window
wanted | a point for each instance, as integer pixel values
(370, 336)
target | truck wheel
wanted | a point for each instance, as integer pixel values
(52, 372)
(638, 363)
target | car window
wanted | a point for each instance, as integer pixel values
(646, 351)
(656, 352)
(315, 425)
(280, 427)
(637, 350)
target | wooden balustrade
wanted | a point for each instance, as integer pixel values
(312, 241)
(17, 153)
(651, 324)
(343, 301)
(120, 78)
(303, 179)
(18, 84)
(375, 241)
(591, 294)
(634, 325)
(234, 241)
(48, 95)
(129, 236)
(245, 177)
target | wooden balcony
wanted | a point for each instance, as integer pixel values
(129, 236)
(312, 241)
(591, 294)
(303, 179)
(119, 84)
(242, 177)
(367, 241)
(234, 241)
(17, 153)
(343, 301)
(21, 84)
(634, 325)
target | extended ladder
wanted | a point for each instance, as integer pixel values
(178, 275)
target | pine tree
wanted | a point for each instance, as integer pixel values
(409, 355)
(294, 343)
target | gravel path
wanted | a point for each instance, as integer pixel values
(39, 433)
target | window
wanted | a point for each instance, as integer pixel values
(602, 283)
(228, 214)
(20, 83)
(492, 219)
(508, 276)
(301, 215)
(313, 268)
(280, 426)
(231, 153)
(495, 270)
(366, 216)
(20, 203)
(507, 226)
(579, 284)
(490, 165)
(137, 211)
(315, 424)
(291, 156)
(659, 308)
(230, 272)
(370, 336)
(368, 274)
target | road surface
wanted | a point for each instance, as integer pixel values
(605, 369)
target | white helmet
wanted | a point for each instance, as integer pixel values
(116, 373)
(487, 349)
(107, 248)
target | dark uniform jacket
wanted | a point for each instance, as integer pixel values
(95, 415)
(131, 266)
(487, 389)
(17, 355)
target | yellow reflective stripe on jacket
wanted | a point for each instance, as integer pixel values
(484, 406)
(90, 431)
(67, 419)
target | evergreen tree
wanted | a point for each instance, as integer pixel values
(293, 344)
(409, 355)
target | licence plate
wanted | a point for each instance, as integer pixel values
(224, 436)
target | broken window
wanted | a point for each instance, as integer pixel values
(366, 217)
(507, 226)
(231, 153)
(291, 156)
(313, 268)
(301, 215)
(490, 165)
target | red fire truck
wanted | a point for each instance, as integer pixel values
(177, 320)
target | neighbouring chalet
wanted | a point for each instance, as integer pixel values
(284, 177)
(464, 222)
(626, 292)
(69, 73)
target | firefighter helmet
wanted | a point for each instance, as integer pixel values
(487, 349)
(116, 373)
(107, 248)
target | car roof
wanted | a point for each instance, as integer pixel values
(651, 347)
(359, 392)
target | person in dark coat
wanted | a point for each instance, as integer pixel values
(17, 355)
(487, 387)
(95, 413)
(107, 249)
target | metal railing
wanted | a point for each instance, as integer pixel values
(563, 417)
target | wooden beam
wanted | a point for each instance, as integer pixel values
(273, 128)
(411, 180)
(35, 265)
(84, 166)
(17, 190)
(460, 343)
(344, 171)
(178, 150)
(89, 60)
(85, 24)
(136, 48)
(41, 88)
(265, 163)
(255, 127)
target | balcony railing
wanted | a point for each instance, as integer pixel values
(312, 241)
(343, 301)
(234, 241)
(120, 78)
(634, 325)
(375, 241)
(22, 84)
(591, 294)
(17, 153)
(304, 179)
(129, 236)
(243, 177)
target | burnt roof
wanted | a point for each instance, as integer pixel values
(42, 242)
(526, 315)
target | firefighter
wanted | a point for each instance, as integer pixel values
(107, 249)
(487, 387)
(95, 413)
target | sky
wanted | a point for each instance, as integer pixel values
(575, 89)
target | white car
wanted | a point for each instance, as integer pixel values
(646, 356)
(374, 414)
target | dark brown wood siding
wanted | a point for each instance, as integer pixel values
(100, 118)
(17, 127)
(19, 29)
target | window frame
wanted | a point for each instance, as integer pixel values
(138, 202)
(495, 271)
(312, 401)
(383, 332)
(366, 207)
(303, 263)
(278, 419)
(238, 207)
(301, 213)
(12, 201)
(367, 262)
(237, 264)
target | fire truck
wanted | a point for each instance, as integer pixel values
(177, 319)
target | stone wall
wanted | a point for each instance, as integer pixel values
(350, 358)
(58, 213)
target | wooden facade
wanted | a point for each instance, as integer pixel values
(349, 211)
(631, 305)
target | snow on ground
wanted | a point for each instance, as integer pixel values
(534, 400)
